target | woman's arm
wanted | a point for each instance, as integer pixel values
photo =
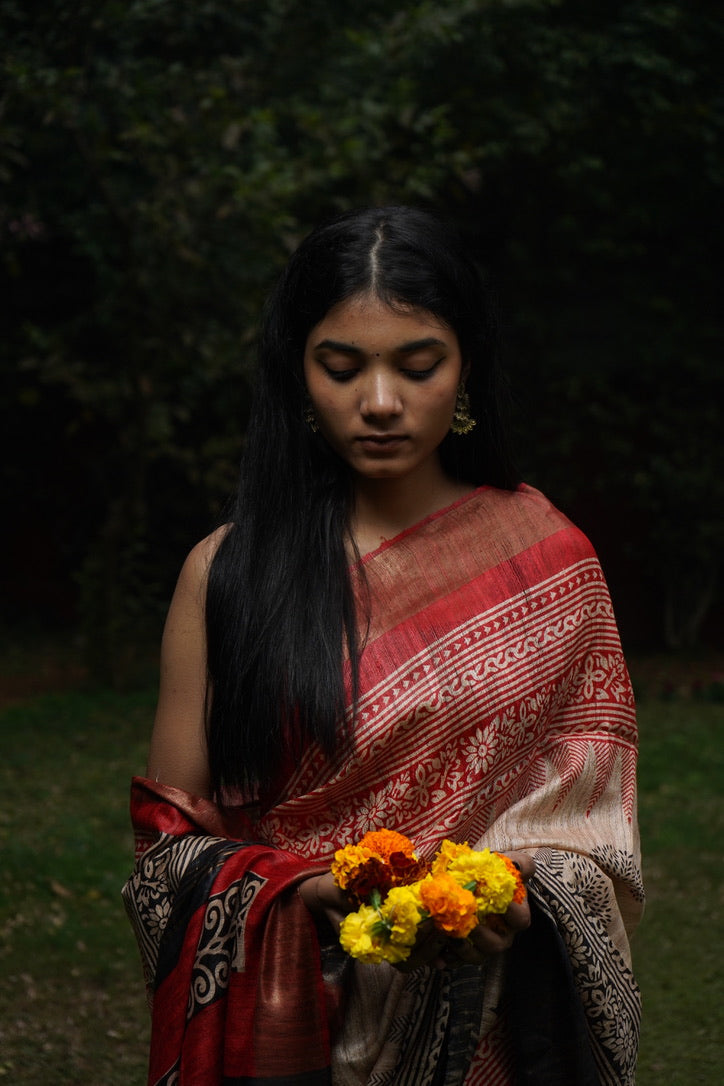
(178, 753)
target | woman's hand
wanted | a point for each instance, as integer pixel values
(324, 898)
(499, 932)
(433, 947)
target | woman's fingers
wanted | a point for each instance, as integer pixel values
(323, 897)
(485, 940)
(496, 933)
(517, 916)
(492, 936)
(427, 950)
(524, 863)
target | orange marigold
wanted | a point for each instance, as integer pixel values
(519, 894)
(380, 860)
(453, 908)
(387, 842)
(347, 863)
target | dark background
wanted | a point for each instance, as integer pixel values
(159, 160)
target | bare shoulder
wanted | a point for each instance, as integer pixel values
(195, 570)
(178, 745)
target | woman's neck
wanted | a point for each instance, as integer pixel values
(385, 507)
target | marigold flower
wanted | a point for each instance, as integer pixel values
(386, 842)
(449, 851)
(357, 936)
(395, 952)
(347, 862)
(492, 877)
(453, 908)
(402, 911)
(384, 934)
(461, 888)
(380, 860)
(489, 878)
(520, 893)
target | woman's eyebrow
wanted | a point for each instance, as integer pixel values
(337, 345)
(420, 345)
(404, 348)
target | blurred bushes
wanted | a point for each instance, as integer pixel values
(160, 159)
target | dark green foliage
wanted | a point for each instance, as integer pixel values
(159, 160)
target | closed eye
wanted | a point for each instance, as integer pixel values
(422, 375)
(340, 375)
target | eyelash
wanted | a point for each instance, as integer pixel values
(421, 375)
(342, 376)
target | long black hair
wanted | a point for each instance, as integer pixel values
(280, 612)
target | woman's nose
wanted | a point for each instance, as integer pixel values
(380, 395)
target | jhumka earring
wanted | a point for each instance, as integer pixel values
(309, 417)
(462, 420)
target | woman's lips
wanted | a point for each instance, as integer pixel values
(381, 443)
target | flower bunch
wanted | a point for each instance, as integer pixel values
(396, 892)
(381, 860)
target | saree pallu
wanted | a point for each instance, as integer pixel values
(494, 708)
(229, 949)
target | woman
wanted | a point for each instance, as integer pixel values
(388, 633)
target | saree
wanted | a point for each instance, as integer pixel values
(495, 708)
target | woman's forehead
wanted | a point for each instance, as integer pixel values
(368, 309)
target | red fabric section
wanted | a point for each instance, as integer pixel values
(263, 1013)
(489, 589)
(491, 680)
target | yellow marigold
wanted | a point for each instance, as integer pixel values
(381, 935)
(449, 851)
(453, 908)
(487, 874)
(358, 938)
(401, 910)
(348, 862)
(394, 952)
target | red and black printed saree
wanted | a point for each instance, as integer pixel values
(495, 707)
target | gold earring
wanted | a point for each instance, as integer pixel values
(462, 420)
(309, 417)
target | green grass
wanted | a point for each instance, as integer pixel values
(71, 996)
(72, 1008)
(678, 950)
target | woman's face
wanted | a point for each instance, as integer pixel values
(383, 384)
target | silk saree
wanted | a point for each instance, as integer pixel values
(494, 708)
